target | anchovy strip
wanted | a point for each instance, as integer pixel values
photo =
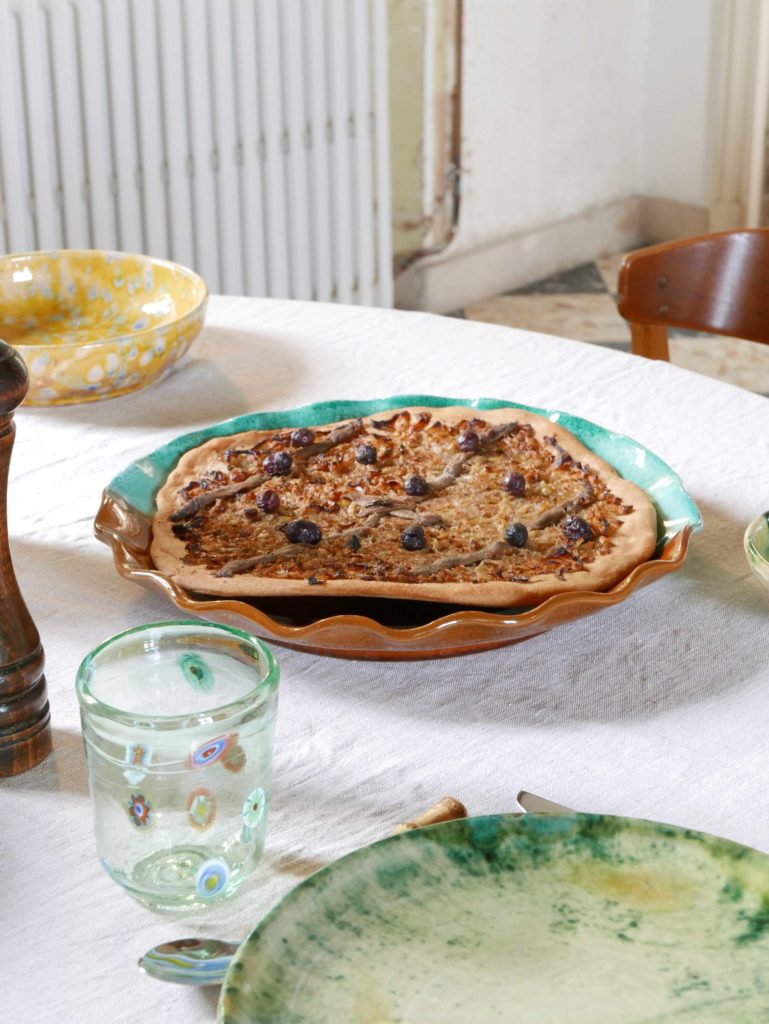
(200, 501)
(208, 498)
(454, 468)
(565, 457)
(387, 504)
(449, 475)
(556, 514)
(339, 434)
(244, 451)
(246, 564)
(240, 565)
(414, 517)
(495, 550)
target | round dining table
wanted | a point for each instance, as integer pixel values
(657, 707)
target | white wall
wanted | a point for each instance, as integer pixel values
(552, 111)
(588, 126)
(571, 110)
(678, 109)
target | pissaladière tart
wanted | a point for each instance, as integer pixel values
(497, 508)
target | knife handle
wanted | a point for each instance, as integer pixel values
(447, 809)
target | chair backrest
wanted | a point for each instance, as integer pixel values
(717, 283)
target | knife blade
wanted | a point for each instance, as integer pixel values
(531, 803)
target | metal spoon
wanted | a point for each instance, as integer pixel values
(206, 961)
(190, 961)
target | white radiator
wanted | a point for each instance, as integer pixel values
(247, 139)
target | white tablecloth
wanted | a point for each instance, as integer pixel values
(657, 708)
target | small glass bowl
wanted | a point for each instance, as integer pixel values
(92, 324)
(757, 547)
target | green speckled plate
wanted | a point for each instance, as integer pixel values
(352, 627)
(573, 919)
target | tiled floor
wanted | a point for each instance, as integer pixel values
(581, 304)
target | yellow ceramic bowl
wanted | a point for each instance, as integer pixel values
(92, 324)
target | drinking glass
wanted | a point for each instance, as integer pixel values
(178, 721)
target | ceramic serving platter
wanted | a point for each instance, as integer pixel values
(542, 919)
(383, 628)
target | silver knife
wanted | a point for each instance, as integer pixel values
(531, 803)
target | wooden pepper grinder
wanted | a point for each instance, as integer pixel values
(25, 730)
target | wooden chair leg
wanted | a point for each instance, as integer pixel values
(650, 340)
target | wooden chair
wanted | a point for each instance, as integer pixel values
(717, 283)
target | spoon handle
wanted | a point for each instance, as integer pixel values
(182, 969)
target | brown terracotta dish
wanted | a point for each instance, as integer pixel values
(380, 628)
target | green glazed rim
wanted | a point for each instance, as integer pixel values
(91, 704)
